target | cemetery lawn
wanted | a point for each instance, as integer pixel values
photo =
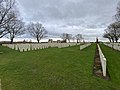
(55, 69)
(113, 60)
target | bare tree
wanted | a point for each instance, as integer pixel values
(115, 30)
(117, 15)
(15, 28)
(6, 15)
(66, 36)
(106, 35)
(73, 38)
(37, 31)
(79, 37)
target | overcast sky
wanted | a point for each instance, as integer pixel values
(88, 17)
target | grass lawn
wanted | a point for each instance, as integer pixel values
(55, 69)
(113, 60)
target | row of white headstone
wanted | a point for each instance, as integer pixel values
(28, 47)
(103, 61)
(115, 46)
(84, 46)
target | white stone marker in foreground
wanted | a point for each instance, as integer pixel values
(103, 61)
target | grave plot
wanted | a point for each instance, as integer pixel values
(100, 64)
(29, 47)
(115, 46)
(84, 46)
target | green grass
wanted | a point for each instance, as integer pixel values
(51, 69)
(113, 63)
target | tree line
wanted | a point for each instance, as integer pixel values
(113, 30)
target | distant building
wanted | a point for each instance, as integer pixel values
(50, 41)
(58, 41)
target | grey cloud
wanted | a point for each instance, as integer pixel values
(63, 9)
(71, 16)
